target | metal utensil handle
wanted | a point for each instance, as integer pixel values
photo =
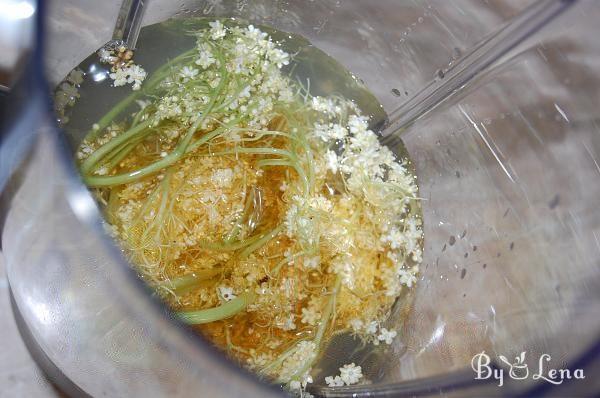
(129, 22)
(476, 60)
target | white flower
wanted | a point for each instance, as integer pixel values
(332, 161)
(325, 105)
(226, 293)
(350, 373)
(188, 73)
(119, 77)
(106, 56)
(217, 30)
(304, 352)
(330, 132)
(295, 385)
(288, 323)
(357, 124)
(278, 57)
(312, 262)
(245, 93)
(407, 278)
(356, 324)
(371, 327)
(343, 267)
(136, 75)
(255, 34)
(142, 104)
(258, 360)
(205, 58)
(386, 335)
(222, 177)
(306, 380)
(310, 316)
(334, 381)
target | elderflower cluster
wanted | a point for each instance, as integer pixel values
(373, 330)
(124, 70)
(291, 197)
(349, 374)
(255, 85)
(303, 352)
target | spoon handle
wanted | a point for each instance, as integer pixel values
(129, 22)
(475, 61)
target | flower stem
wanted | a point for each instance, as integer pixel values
(222, 311)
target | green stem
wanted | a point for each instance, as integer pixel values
(227, 247)
(255, 151)
(88, 164)
(184, 284)
(261, 242)
(286, 260)
(222, 311)
(318, 340)
(150, 84)
(171, 158)
(285, 163)
(279, 360)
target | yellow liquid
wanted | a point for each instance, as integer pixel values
(178, 221)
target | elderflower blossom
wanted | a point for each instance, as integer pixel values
(325, 105)
(371, 327)
(226, 293)
(334, 381)
(257, 361)
(304, 352)
(119, 77)
(295, 385)
(133, 74)
(356, 325)
(188, 73)
(222, 177)
(254, 34)
(312, 262)
(342, 266)
(205, 58)
(278, 57)
(106, 56)
(386, 335)
(407, 277)
(217, 30)
(349, 374)
(310, 316)
(332, 161)
(330, 132)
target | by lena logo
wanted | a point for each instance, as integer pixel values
(519, 370)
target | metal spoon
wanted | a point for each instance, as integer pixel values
(129, 23)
